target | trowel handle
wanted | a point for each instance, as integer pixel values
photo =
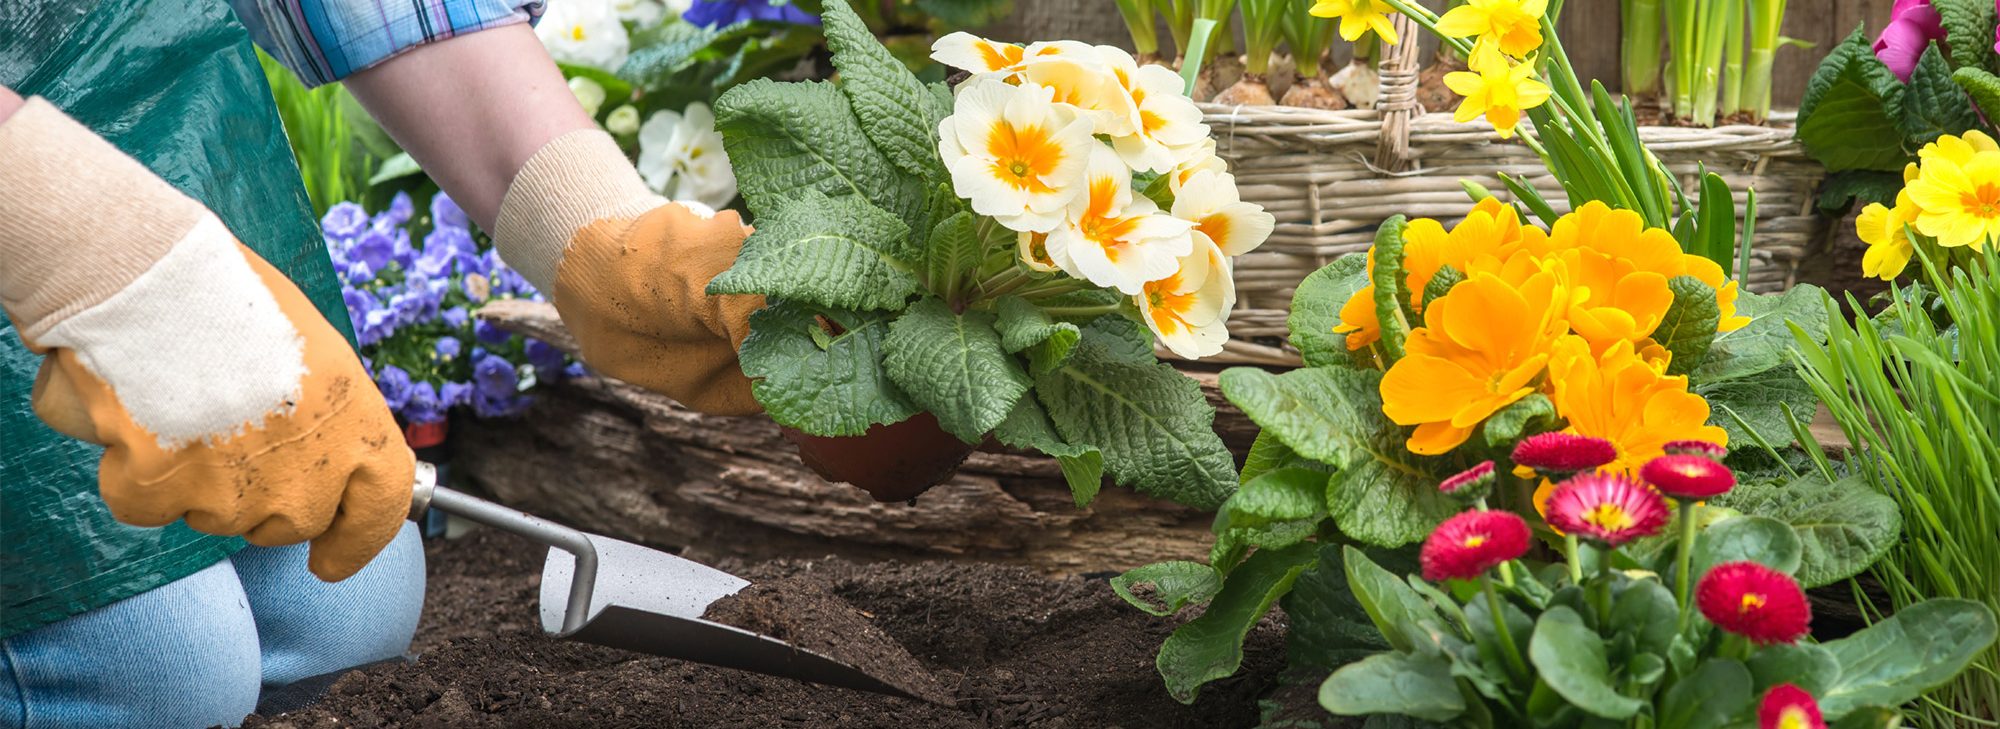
(427, 494)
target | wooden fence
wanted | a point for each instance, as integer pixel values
(1591, 28)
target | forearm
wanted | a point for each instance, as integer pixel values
(9, 103)
(471, 110)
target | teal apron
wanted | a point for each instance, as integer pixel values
(176, 84)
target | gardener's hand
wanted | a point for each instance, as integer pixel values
(220, 394)
(628, 269)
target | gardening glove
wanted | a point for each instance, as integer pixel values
(219, 393)
(628, 270)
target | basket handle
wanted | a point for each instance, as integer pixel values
(1398, 100)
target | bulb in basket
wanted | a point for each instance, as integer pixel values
(997, 261)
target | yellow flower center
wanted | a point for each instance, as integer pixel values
(1983, 201)
(576, 32)
(1794, 717)
(1751, 601)
(1023, 155)
(1609, 516)
(1473, 542)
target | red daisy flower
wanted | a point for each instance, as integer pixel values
(1472, 483)
(1564, 452)
(1754, 601)
(1467, 545)
(1607, 507)
(1696, 448)
(1688, 477)
(1789, 707)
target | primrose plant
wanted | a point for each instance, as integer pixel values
(1001, 258)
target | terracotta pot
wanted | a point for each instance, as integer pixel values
(891, 462)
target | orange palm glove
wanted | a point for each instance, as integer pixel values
(627, 270)
(220, 394)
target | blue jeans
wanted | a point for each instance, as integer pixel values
(197, 652)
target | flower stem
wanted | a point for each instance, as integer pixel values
(1138, 16)
(1683, 556)
(1575, 553)
(1081, 311)
(1516, 667)
(1003, 282)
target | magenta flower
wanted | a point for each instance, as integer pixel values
(1913, 24)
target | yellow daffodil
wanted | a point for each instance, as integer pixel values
(1189, 310)
(1498, 88)
(1515, 25)
(1092, 89)
(1619, 396)
(1018, 156)
(1358, 17)
(1114, 238)
(1169, 128)
(1887, 233)
(1211, 201)
(1482, 347)
(1959, 197)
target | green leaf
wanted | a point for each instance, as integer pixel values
(1388, 600)
(1211, 646)
(952, 251)
(1766, 541)
(1441, 283)
(836, 252)
(1291, 494)
(1843, 191)
(1153, 424)
(1968, 25)
(1268, 453)
(1717, 691)
(1025, 327)
(1419, 686)
(1391, 297)
(1316, 311)
(1843, 526)
(952, 366)
(899, 114)
(1870, 717)
(395, 168)
(1329, 627)
(834, 389)
(1760, 400)
(1570, 658)
(1985, 91)
(1915, 650)
(785, 139)
(1381, 495)
(966, 13)
(1763, 343)
(1849, 119)
(1807, 665)
(1689, 326)
(1167, 586)
(1933, 105)
(1082, 465)
(1647, 611)
(1527, 416)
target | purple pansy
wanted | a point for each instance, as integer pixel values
(448, 348)
(359, 272)
(375, 248)
(713, 14)
(1913, 25)
(343, 221)
(454, 394)
(400, 208)
(495, 377)
(445, 213)
(487, 333)
(424, 406)
(395, 385)
(456, 317)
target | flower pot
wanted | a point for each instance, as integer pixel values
(891, 462)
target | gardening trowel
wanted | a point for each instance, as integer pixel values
(600, 590)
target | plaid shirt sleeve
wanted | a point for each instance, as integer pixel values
(323, 41)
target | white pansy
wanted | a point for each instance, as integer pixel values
(1189, 310)
(1015, 153)
(589, 94)
(1211, 201)
(1114, 238)
(681, 157)
(623, 121)
(584, 33)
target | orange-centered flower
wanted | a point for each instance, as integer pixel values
(1114, 238)
(1621, 398)
(1482, 347)
(1018, 156)
(1189, 310)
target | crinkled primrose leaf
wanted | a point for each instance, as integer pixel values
(821, 383)
(836, 252)
(952, 365)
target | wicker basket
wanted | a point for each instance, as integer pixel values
(1332, 177)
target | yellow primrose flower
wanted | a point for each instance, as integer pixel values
(1887, 233)
(1358, 17)
(1015, 153)
(1490, 234)
(1498, 88)
(1114, 238)
(1622, 267)
(1189, 310)
(1515, 25)
(1211, 201)
(1960, 198)
(1482, 347)
(1958, 150)
(1621, 397)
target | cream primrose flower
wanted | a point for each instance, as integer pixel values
(584, 33)
(1015, 153)
(1189, 310)
(1169, 128)
(978, 55)
(1200, 158)
(1034, 249)
(647, 13)
(589, 95)
(1091, 88)
(681, 157)
(1211, 201)
(1115, 239)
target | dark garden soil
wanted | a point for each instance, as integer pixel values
(1011, 647)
